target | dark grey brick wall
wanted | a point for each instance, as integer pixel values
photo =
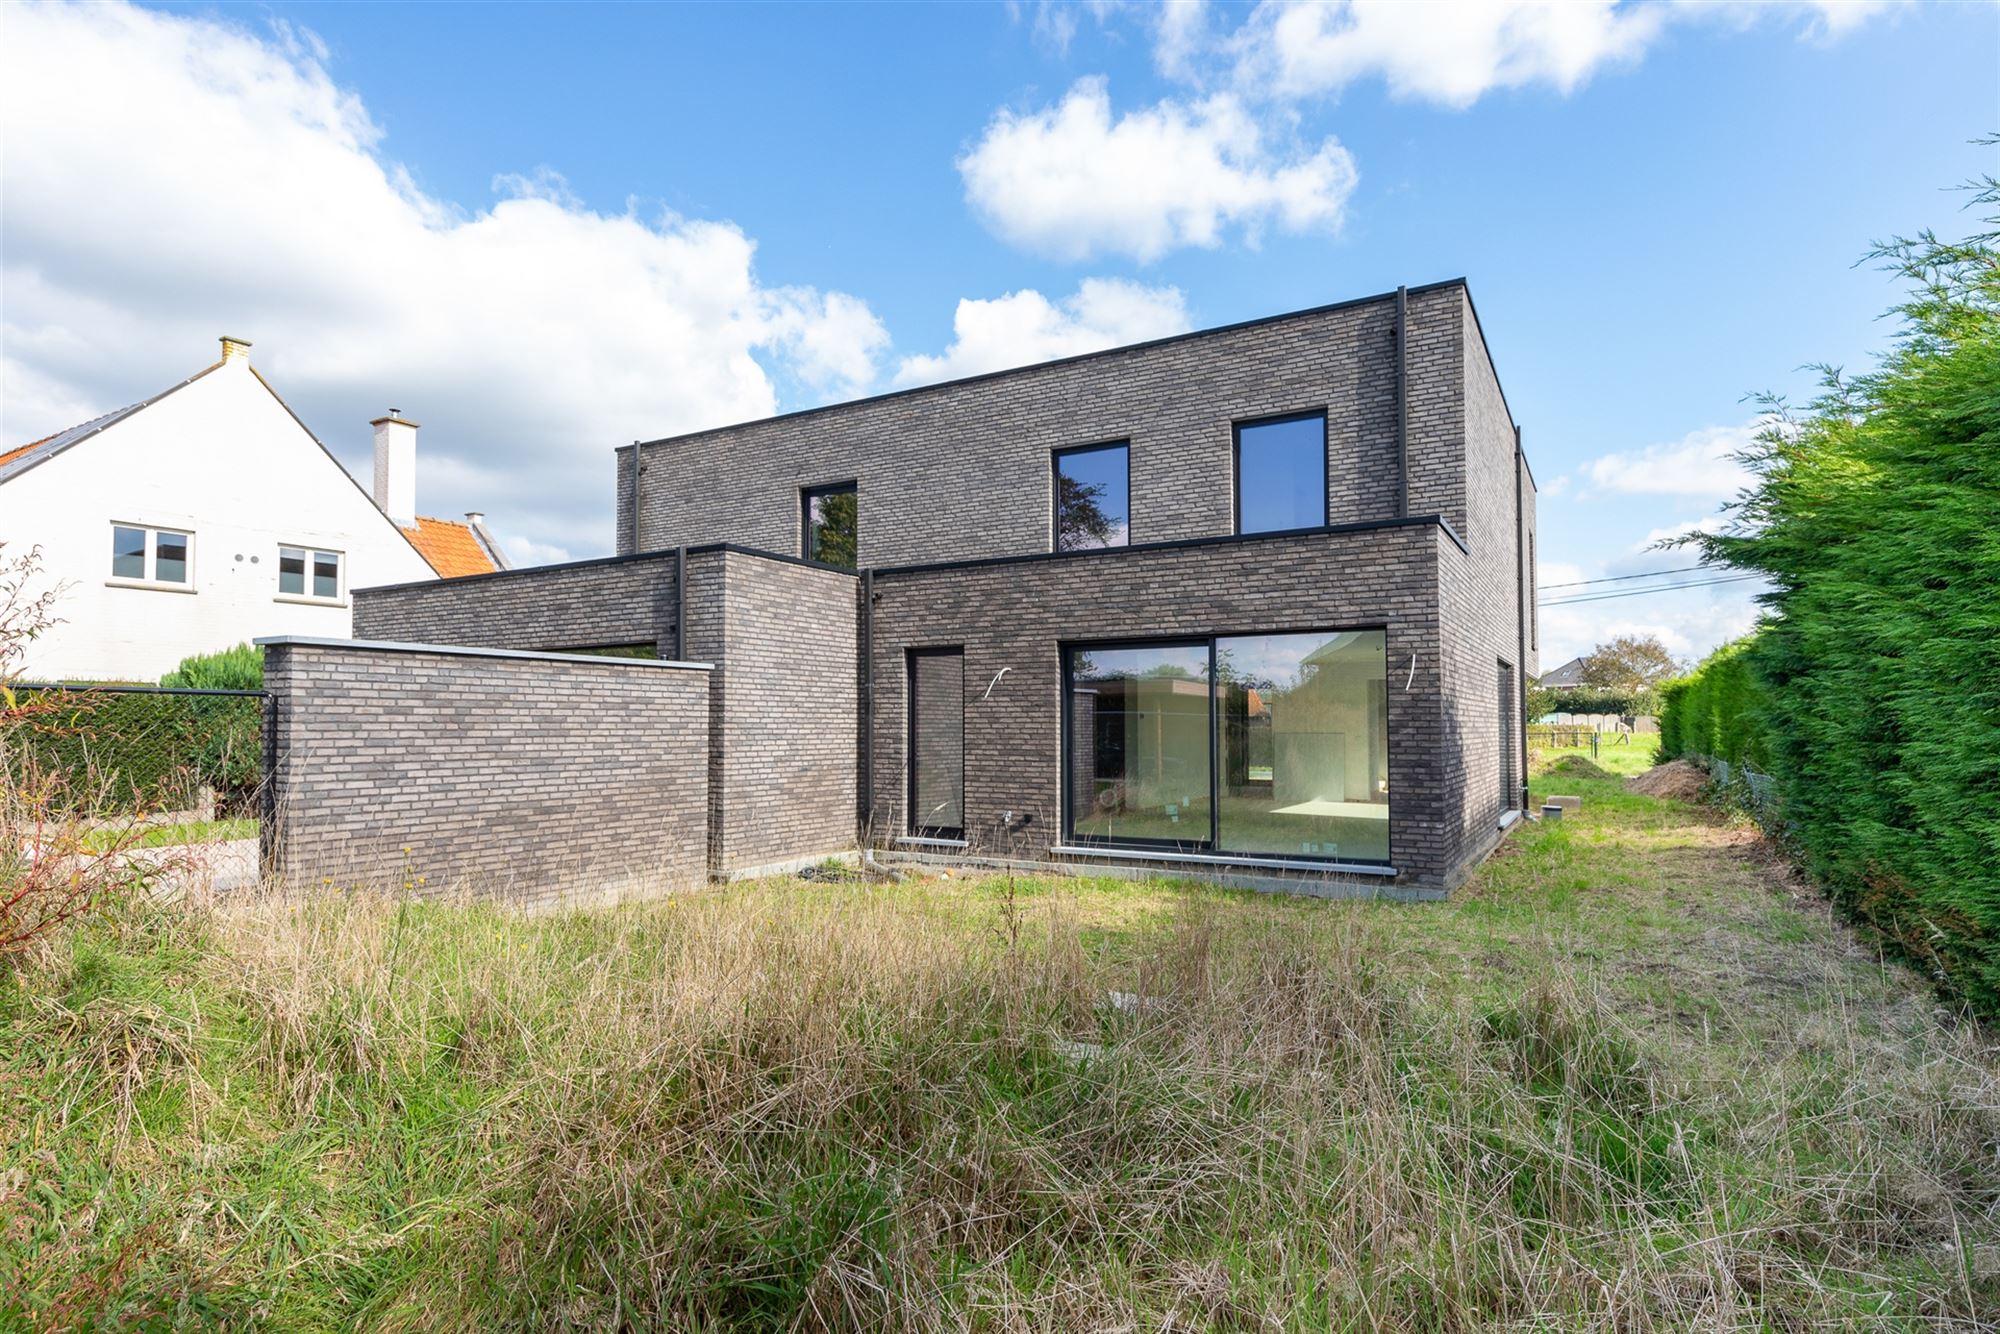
(525, 779)
(551, 608)
(784, 706)
(962, 471)
(1016, 615)
(1480, 590)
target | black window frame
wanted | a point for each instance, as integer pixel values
(1056, 456)
(1236, 429)
(1067, 650)
(949, 833)
(807, 494)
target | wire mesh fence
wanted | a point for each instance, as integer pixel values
(138, 751)
(1755, 792)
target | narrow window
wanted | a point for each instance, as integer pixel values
(1510, 797)
(1281, 474)
(170, 557)
(326, 574)
(937, 743)
(150, 555)
(1304, 748)
(128, 553)
(830, 524)
(1093, 497)
(1140, 745)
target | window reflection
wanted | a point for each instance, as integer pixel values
(1304, 745)
(1281, 474)
(1140, 744)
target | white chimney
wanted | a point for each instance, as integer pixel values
(396, 468)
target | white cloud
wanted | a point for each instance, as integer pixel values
(1700, 465)
(1447, 53)
(1690, 614)
(1071, 182)
(1713, 523)
(173, 178)
(1025, 327)
(1453, 52)
(1180, 34)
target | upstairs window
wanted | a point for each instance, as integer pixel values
(830, 528)
(1281, 474)
(150, 555)
(1093, 497)
(305, 573)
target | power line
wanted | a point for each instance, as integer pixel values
(1621, 578)
(1642, 592)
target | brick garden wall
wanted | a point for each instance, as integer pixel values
(550, 608)
(783, 705)
(524, 778)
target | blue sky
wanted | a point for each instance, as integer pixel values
(547, 230)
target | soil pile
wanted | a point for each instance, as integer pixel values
(1676, 778)
(1575, 766)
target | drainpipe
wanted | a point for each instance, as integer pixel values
(681, 604)
(867, 686)
(1402, 402)
(1521, 610)
(638, 471)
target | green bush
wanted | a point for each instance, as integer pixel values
(153, 752)
(1716, 711)
(1872, 690)
(239, 668)
(1622, 700)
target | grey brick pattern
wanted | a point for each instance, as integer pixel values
(523, 779)
(963, 471)
(1479, 594)
(784, 706)
(1017, 615)
(1437, 333)
(551, 608)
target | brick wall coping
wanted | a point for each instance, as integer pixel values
(464, 651)
(1221, 539)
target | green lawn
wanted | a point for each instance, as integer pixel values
(171, 835)
(1630, 1077)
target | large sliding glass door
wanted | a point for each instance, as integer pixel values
(1139, 720)
(1265, 745)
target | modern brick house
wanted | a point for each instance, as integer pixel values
(1254, 601)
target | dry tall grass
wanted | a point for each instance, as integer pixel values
(918, 1107)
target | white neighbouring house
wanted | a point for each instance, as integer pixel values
(209, 515)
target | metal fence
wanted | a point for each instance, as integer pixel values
(1755, 792)
(147, 751)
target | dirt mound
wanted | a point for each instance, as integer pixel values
(1675, 778)
(1575, 766)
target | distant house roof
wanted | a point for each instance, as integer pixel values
(23, 457)
(453, 549)
(1569, 674)
(449, 547)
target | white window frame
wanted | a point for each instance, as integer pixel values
(311, 554)
(151, 579)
